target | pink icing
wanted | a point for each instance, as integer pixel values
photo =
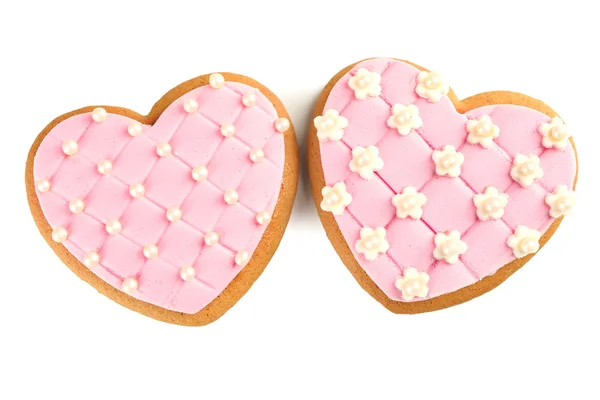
(408, 162)
(195, 140)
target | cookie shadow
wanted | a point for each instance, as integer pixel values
(300, 106)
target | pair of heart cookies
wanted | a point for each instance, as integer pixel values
(429, 200)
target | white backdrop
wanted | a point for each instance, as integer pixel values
(305, 329)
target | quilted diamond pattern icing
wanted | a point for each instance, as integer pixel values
(408, 162)
(195, 139)
(108, 200)
(135, 161)
(496, 162)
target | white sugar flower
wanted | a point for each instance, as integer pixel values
(482, 131)
(490, 204)
(524, 241)
(431, 86)
(561, 201)
(335, 198)
(409, 203)
(372, 242)
(405, 118)
(448, 247)
(365, 161)
(365, 84)
(330, 126)
(413, 283)
(448, 161)
(526, 169)
(554, 134)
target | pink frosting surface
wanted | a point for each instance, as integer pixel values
(195, 140)
(408, 162)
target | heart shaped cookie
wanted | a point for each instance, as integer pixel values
(429, 200)
(174, 214)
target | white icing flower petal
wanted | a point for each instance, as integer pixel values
(431, 86)
(482, 131)
(490, 204)
(405, 118)
(412, 283)
(449, 247)
(335, 198)
(365, 161)
(448, 161)
(555, 134)
(524, 241)
(330, 126)
(560, 202)
(526, 169)
(372, 242)
(365, 84)
(409, 203)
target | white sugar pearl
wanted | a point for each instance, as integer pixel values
(372, 243)
(137, 190)
(364, 82)
(163, 149)
(449, 161)
(242, 258)
(326, 124)
(43, 185)
(364, 159)
(211, 238)
(113, 226)
(484, 129)
(449, 248)
(105, 167)
(99, 114)
(190, 106)
(227, 130)
(174, 214)
(403, 117)
(527, 168)
(70, 147)
(492, 205)
(150, 251)
(187, 273)
(134, 128)
(216, 81)
(257, 155)
(409, 202)
(91, 259)
(263, 218)
(59, 234)
(332, 198)
(283, 124)
(76, 206)
(528, 245)
(249, 99)
(200, 173)
(564, 204)
(231, 196)
(433, 81)
(129, 285)
(558, 133)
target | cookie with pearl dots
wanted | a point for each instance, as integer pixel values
(225, 256)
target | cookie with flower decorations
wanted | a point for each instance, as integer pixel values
(430, 200)
(174, 214)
